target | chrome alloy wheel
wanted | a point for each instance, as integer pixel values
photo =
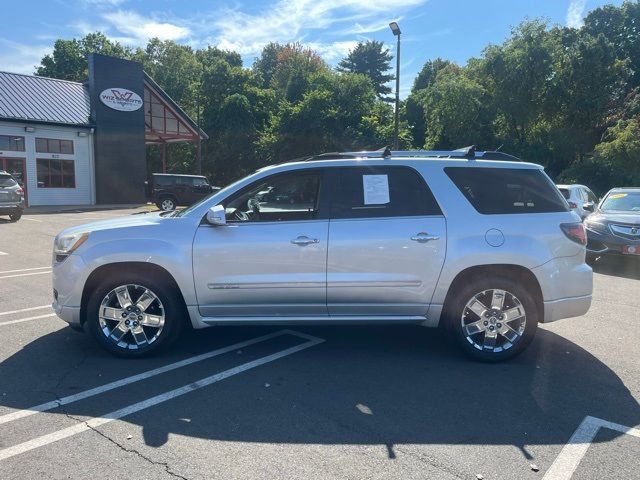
(493, 320)
(131, 316)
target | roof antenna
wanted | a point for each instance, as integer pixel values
(386, 153)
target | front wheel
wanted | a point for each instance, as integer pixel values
(492, 319)
(133, 316)
(167, 204)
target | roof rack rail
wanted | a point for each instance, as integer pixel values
(470, 153)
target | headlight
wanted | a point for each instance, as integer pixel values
(596, 226)
(65, 245)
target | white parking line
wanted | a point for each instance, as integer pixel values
(567, 461)
(25, 274)
(30, 309)
(13, 322)
(156, 400)
(32, 219)
(25, 270)
(4, 253)
(43, 407)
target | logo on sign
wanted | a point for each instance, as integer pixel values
(121, 99)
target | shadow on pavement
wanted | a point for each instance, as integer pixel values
(382, 385)
(617, 266)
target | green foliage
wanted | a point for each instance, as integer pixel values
(566, 98)
(372, 59)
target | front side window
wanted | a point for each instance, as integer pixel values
(54, 145)
(200, 182)
(11, 143)
(591, 197)
(367, 192)
(283, 197)
(494, 191)
(56, 173)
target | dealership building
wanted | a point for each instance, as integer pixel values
(73, 143)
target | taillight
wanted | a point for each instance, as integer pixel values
(20, 191)
(573, 205)
(575, 232)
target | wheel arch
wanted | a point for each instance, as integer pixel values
(517, 272)
(149, 269)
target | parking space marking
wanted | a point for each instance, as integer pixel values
(571, 454)
(30, 309)
(155, 400)
(4, 253)
(148, 374)
(25, 270)
(32, 219)
(25, 274)
(22, 320)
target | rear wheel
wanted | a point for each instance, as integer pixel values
(133, 316)
(492, 319)
(15, 216)
(167, 204)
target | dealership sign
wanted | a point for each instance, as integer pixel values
(121, 99)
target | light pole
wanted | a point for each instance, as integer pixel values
(396, 32)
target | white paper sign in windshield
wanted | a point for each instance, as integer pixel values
(376, 189)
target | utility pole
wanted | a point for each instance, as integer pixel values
(396, 32)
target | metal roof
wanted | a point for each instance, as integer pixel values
(41, 99)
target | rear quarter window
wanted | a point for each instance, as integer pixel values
(494, 191)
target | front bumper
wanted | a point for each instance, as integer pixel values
(600, 243)
(69, 278)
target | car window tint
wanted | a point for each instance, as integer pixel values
(7, 181)
(200, 182)
(366, 192)
(163, 181)
(505, 190)
(277, 198)
(188, 181)
(565, 193)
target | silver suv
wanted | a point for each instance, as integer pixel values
(484, 248)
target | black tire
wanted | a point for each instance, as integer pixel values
(456, 308)
(15, 216)
(175, 314)
(164, 201)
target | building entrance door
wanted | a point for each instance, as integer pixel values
(17, 168)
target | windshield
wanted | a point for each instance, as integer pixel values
(623, 202)
(7, 181)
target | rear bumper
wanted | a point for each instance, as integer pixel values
(566, 308)
(8, 208)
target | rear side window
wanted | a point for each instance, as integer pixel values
(565, 193)
(163, 181)
(7, 181)
(503, 190)
(366, 192)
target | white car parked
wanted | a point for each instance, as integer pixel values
(485, 248)
(580, 197)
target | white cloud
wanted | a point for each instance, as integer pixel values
(284, 21)
(334, 51)
(137, 30)
(20, 58)
(575, 13)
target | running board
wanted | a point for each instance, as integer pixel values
(317, 320)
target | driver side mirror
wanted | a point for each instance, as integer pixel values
(589, 207)
(216, 216)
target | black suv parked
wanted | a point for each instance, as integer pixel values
(11, 197)
(168, 191)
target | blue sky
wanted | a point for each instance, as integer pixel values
(452, 29)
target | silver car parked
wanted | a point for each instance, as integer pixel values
(486, 249)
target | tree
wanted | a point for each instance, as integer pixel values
(372, 59)
(68, 61)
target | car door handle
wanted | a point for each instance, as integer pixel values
(424, 237)
(303, 240)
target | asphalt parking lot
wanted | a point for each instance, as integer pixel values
(311, 402)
